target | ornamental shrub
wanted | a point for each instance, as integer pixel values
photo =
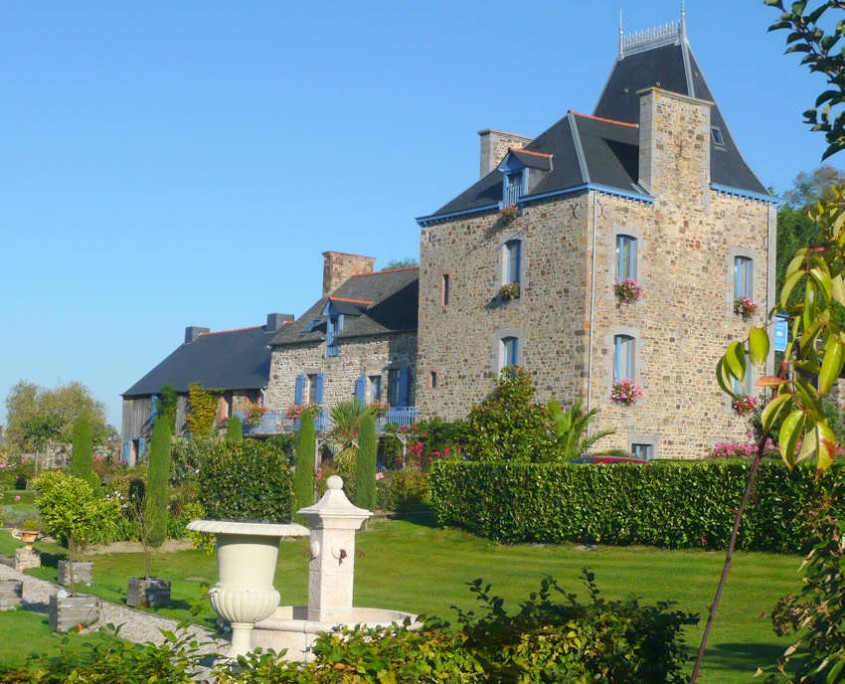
(202, 410)
(303, 474)
(249, 481)
(157, 491)
(82, 454)
(664, 504)
(365, 464)
(168, 402)
(401, 490)
(234, 430)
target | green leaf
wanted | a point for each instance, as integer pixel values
(774, 410)
(735, 360)
(790, 431)
(724, 378)
(807, 396)
(827, 446)
(758, 346)
(838, 292)
(831, 365)
(809, 446)
(789, 285)
(822, 279)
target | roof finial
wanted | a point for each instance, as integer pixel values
(621, 36)
(683, 20)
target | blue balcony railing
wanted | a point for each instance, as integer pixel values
(404, 416)
(277, 422)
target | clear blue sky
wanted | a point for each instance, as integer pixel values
(165, 164)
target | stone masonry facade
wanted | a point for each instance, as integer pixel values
(567, 316)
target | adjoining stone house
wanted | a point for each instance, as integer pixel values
(651, 187)
(358, 341)
(237, 362)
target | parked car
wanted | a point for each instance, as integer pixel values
(608, 459)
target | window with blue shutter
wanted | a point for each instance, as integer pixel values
(626, 257)
(318, 389)
(127, 451)
(299, 395)
(361, 390)
(405, 386)
(743, 273)
(399, 387)
(375, 388)
(142, 449)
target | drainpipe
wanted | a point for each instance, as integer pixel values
(592, 311)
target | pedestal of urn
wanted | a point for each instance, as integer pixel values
(246, 563)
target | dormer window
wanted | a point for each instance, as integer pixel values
(334, 326)
(717, 136)
(522, 171)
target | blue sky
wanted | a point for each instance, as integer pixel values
(169, 164)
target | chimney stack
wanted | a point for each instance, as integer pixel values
(495, 145)
(192, 332)
(275, 321)
(338, 267)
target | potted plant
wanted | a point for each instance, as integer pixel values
(508, 292)
(626, 392)
(509, 213)
(745, 307)
(149, 504)
(627, 291)
(70, 509)
(30, 531)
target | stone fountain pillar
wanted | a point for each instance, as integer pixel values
(333, 521)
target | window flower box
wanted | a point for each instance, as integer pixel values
(509, 213)
(744, 404)
(508, 292)
(745, 307)
(626, 392)
(627, 291)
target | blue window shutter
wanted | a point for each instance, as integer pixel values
(318, 391)
(153, 408)
(127, 450)
(142, 448)
(361, 390)
(404, 385)
(300, 389)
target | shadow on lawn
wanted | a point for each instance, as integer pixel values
(419, 515)
(744, 657)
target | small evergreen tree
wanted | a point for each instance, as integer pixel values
(168, 403)
(82, 454)
(365, 464)
(234, 431)
(157, 493)
(303, 477)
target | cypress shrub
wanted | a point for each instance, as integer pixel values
(303, 476)
(168, 403)
(157, 492)
(234, 431)
(82, 454)
(365, 464)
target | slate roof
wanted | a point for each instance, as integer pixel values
(393, 297)
(603, 149)
(231, 360)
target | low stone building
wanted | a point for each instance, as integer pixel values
(357, 341)
(236, 362)
(608, 256)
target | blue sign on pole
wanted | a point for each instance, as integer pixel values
(781, 333)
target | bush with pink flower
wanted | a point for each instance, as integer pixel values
(744, 404)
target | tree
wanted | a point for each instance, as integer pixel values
(509, 424)
(346, 425)
(66, 403)
(39, 431)
(303, 476)
(234, 431)
(407, 262)
(570, 430)
(168, 403)
(82, 454)
(365, 464)
(157, 494)
(815, 35)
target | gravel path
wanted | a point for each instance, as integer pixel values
(136, 625)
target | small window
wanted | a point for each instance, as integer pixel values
(743, 274)
(399, 387)
(644, 451)
(626, 257)
(744, 387)
(432, 379)
(311, 386)
(374, 389)
(513, 187)
(624, 358)
(512, 262)
(509, 351)
(716, 133)
(445, 292)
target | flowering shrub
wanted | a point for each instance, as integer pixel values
(733, 450)
(626, 391)
(254, 413)
(744, 404)
(296, 411)
(509, 213)
(745, 307)
(508, 292)
(628, 291)
(379, 408)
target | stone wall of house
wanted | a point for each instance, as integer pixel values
(368, 357)
(687, 241)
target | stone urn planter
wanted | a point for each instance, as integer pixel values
(28, 537)
(83, 572)
(246, 563)
(11, 592)
(69, 612)
(148, 593)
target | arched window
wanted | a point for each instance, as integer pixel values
(509, 351)
(624, 358)
(512, 262)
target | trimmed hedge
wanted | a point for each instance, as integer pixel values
(666, 504)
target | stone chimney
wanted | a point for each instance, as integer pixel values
(674, 146)
(275, 321)
(339, 267)
(192, 332)
(495, 145)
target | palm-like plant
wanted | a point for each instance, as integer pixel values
(570, 430)
(346, 425)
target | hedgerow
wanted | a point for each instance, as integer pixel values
(665, 504)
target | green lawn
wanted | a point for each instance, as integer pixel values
(419, 568)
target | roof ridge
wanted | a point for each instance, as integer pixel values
(350, 300)
(233, 330)
(601, 118)
(524, 151)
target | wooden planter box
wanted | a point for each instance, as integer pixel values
(151, 593)
(83, 572)
(68, 612)
(11, 592)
